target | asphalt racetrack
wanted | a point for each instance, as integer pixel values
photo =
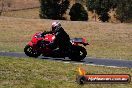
(87, 60)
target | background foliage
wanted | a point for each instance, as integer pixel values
(54, 9)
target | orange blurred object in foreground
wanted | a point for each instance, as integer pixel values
(82, 71)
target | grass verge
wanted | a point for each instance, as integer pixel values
(37, 73)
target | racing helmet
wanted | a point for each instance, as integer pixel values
(56, 26)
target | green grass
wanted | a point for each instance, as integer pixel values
(37, 73)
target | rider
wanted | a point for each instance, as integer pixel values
(62, 39)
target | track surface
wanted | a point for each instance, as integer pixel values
(93, 61)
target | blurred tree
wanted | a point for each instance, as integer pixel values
(53, 9)
(101, 7)
(124, 10)
(78, 13)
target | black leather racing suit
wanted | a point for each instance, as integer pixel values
(62, 40)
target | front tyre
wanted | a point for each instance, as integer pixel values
(78, 53)
(29, 51)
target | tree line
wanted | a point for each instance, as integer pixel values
(54, 9)
(123, 8)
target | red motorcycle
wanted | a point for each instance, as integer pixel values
(34, 48)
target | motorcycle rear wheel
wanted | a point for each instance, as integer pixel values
(78, 53)
(29, 51)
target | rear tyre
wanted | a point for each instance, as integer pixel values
(29, 51)
(78, 53)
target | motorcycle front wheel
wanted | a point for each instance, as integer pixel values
(78, 53)
(29, 51)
